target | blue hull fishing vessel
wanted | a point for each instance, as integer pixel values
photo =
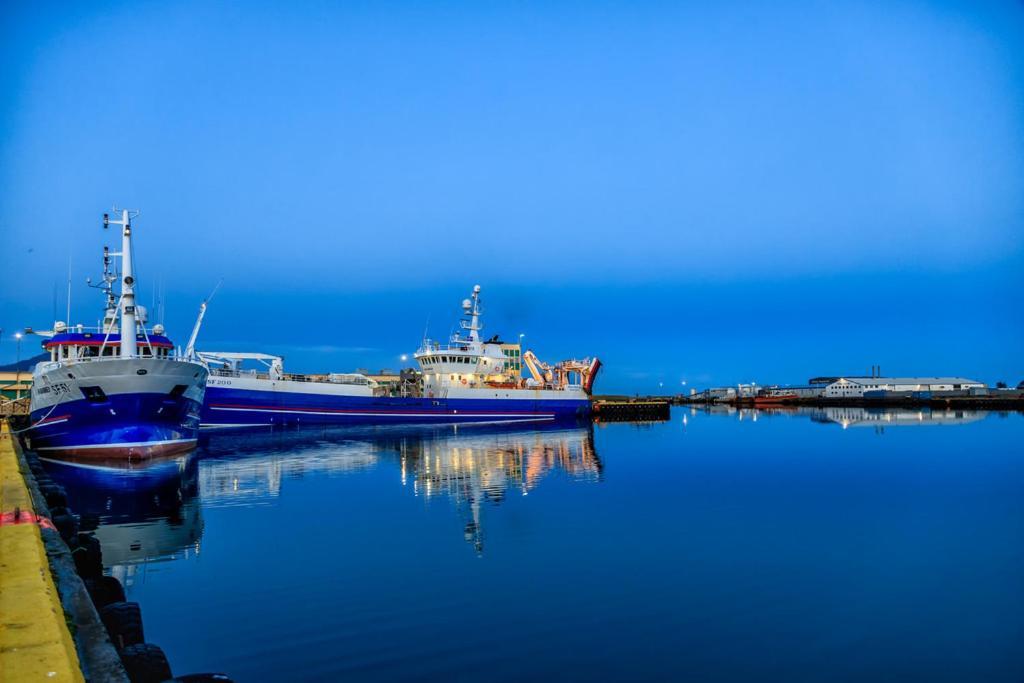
(467, 380)
(115, 392)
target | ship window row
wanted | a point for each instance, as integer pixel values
(82, 352)
(430, 360)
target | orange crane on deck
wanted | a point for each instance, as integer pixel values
(560, 374)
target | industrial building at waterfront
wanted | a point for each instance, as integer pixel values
(851, 387)
(856, 387)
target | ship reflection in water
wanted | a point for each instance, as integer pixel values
(142, 515)
(154, 514)
(474, 470)
(471, 466)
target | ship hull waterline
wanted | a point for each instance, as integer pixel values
(110, 411)
(249, 408)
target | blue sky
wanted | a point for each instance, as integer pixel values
(712, 192)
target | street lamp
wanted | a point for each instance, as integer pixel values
(17, 368)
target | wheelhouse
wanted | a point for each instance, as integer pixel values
(79, 346)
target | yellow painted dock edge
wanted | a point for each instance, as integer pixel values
(35, 644)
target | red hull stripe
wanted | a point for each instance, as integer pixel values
(119, 452)
(53, 419)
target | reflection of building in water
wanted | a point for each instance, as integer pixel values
(894, 417)
(144, 516)
(473, 470)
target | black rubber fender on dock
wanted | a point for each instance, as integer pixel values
(65, 523)
(124, 623)
(104, 590)
(87, 555)
(145, 663)
(55, 495)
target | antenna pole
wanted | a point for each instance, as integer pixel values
(69, 291)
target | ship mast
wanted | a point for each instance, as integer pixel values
(129, 348)
(472, 309)
(110, 309)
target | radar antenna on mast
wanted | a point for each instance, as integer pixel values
(471, 309)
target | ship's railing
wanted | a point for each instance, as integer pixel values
(218, 372)
(358, 380)
(47, 365)
(547, 386)
(440, 348)
(141, 330)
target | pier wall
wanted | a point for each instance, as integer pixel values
(49, 629)
(605, 410)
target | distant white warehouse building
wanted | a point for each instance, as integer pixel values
(852, 387)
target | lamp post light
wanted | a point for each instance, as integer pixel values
(17, 368)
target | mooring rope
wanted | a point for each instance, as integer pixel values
(42, 419)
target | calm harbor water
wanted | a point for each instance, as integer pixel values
(831, 545)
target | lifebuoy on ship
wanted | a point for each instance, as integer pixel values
(463, 381)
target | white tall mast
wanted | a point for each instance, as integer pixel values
(129, 348)
(472, 309)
